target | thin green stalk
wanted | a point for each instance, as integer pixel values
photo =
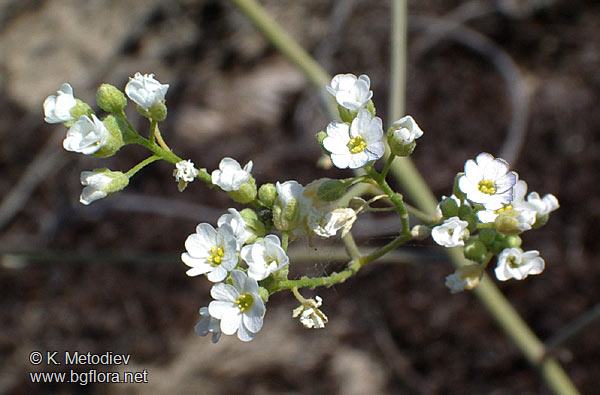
(339, 277)
(415, 187)
(141, 165)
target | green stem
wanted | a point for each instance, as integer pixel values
(339, 277)
(153, 124)
(141, 165)
(395, 197)
(388, 163)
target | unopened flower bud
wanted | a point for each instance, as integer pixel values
(465, 277)
(475, 250)
(110, 99)
(331, 190)
(267, 193)
(487, 236)
(513, 241)
(420, 232)
(101, 183)
(402, 136)
(514, 222)
(449, 207)
(286, 218)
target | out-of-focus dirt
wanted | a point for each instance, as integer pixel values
(108, 277)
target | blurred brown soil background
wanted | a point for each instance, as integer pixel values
(108, 277)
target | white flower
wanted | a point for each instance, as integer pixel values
(355, 145)
(211, 252)
(238, 306)
(101, 183)
(406, 130)
(95, 184)
(328, 223)
(465, 277)
(86, 136)
(240, 228)
(529, 210)
(310, 315)
(185, 171)
(208, 324)
(543, 206)
(230, 175)
(145, 91)
(488, 181)
(514, 263)
(57, 109)
(351, 92)
(264, 257)
(451, 232)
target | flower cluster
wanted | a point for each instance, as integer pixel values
(489, 209)
(244, 259)
(90, 135)
(358, 140)
(245, 255)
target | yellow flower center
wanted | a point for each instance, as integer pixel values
(216, 256)
(244, 302)
(487, 187)
(512, 262)
(357, 144)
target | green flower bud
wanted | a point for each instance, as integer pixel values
(449, 208)
(267, 193)
(475, 250)
(487, 236)
(110, 99)
(246, 193)
(420, 232)
(464, 211)
(512, 222)
(331, 190)
(114, 142)
(513, 241)
(286, 218)
(402, 136)
(79, 109)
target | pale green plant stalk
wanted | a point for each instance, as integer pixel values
(412, 182)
